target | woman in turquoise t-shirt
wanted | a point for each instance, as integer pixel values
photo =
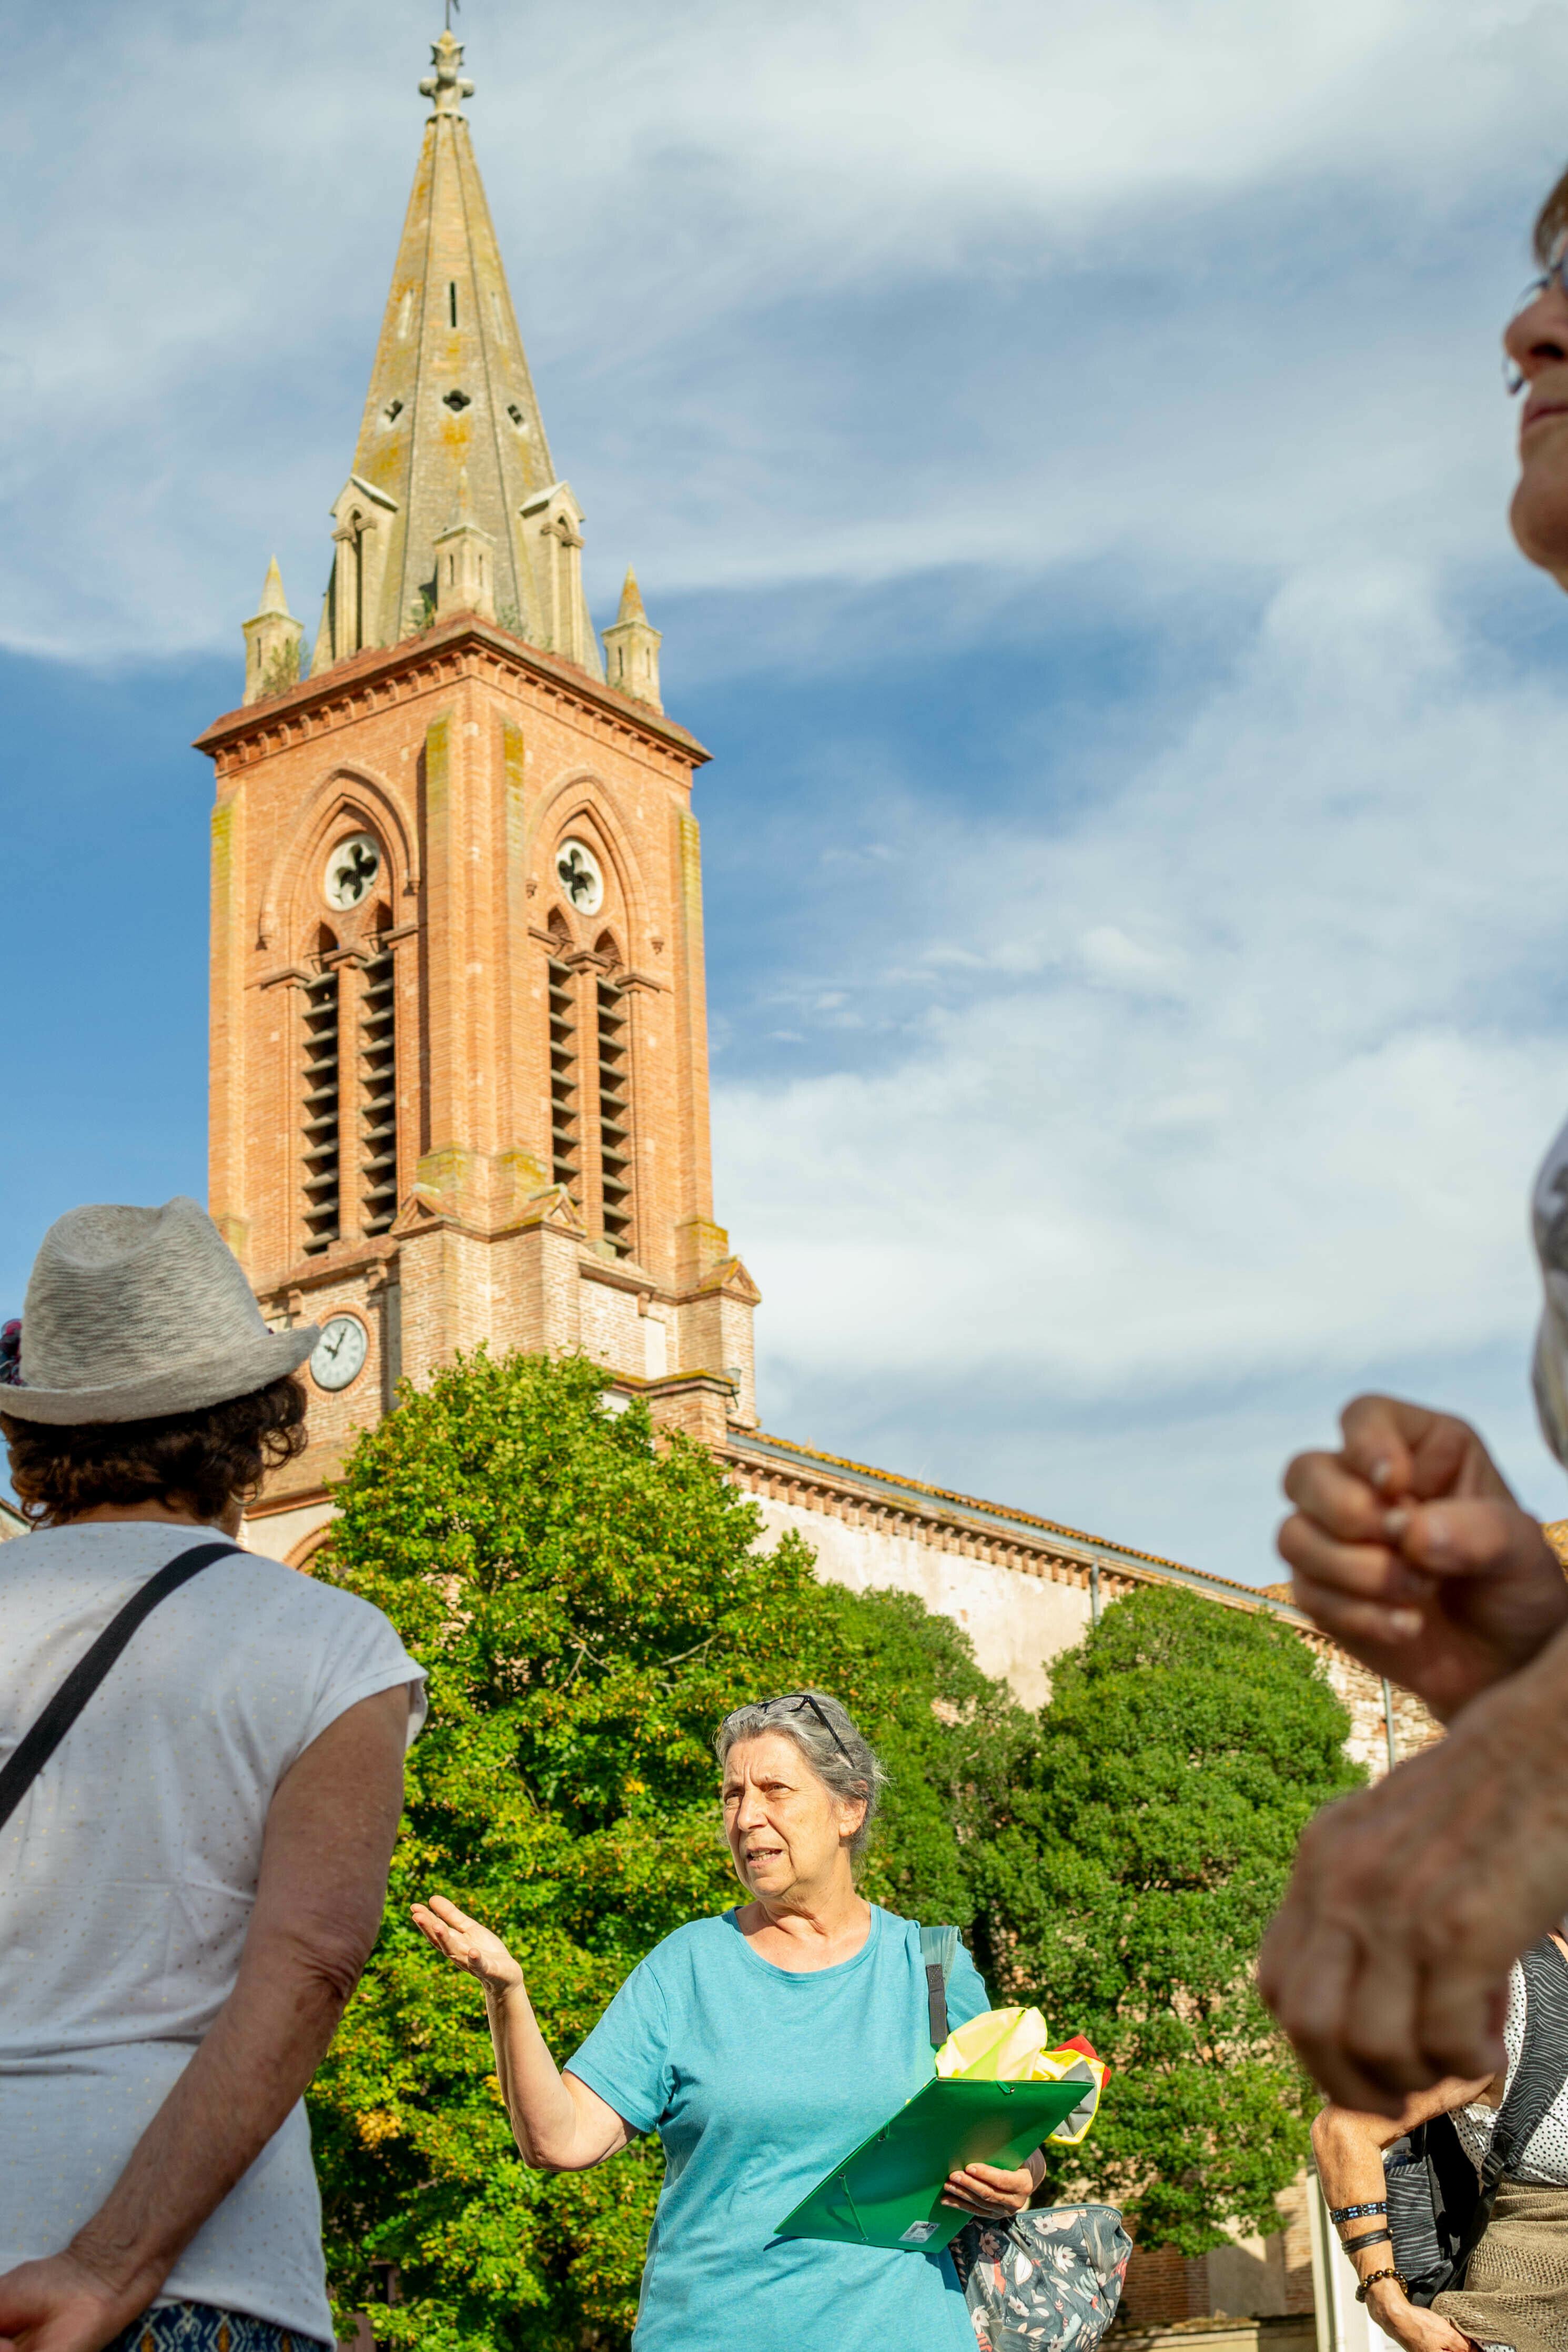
(760, 2045)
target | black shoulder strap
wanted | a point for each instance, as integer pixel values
(35, 1749)
(938, 1951)
(1538, 2078)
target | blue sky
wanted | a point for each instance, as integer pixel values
(1064, 449)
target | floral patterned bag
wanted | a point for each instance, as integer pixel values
(1048, 2277)
(1051, 2278)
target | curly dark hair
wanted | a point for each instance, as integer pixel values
(199, 1462)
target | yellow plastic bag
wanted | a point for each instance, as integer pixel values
(1010, 2045)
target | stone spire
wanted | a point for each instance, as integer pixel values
(450, 392)
(272, 639)
(631, 648)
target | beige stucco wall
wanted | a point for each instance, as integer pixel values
(1017, 1624)
(280, 1535)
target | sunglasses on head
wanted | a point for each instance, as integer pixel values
(796, 1703)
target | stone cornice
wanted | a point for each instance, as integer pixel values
(384, 676)
(890, 1507)
(985, 1531)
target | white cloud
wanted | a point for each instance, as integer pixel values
(845, 293)
(1238, 1075)
(1294, 1136)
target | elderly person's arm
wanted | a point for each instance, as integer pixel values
(318, 1902)
(559, 2125)
(1348, 2146)
(562, 2126)
(1387, 1964)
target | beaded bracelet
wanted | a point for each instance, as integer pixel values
(1338, 2213)
(1398, 2276)
(1372, 2237)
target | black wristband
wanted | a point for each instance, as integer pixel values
(1338, 2213)
(1372, 2237)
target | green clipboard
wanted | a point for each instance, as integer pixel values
(888, 2191)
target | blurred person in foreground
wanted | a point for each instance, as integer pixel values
(192, 1883)
(761, 2044)
(1388, 1962)
(1509, 2292)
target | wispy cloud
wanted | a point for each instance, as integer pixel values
(1239, 1077)
(845, 294)
(1065, 448)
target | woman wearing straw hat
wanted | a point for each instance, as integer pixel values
(194, 1851)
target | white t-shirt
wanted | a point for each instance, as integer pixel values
(128, 1877)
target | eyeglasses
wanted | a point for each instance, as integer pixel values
(801, 1701)
(1512, 373)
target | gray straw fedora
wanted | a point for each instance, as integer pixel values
(133, 1313)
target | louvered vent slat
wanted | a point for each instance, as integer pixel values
(614, 1120)
(563, 1075)
(319, 1176)
(378, 1094)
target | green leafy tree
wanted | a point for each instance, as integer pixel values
(589, 1601)
(1147, 1842)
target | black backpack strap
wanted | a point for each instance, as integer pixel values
(35, 1749)
(1538, 2078)
(938, 1951)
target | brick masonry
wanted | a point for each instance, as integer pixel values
(468, 759)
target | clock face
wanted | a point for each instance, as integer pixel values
(339, 1352)
(350, 870)
(577, 871)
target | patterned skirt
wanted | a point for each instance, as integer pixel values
(199, 2327)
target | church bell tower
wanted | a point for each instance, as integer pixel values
(459, 1055)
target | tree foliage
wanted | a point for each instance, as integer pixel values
(589, 1604)
(1148, 1842)
(589, 1601)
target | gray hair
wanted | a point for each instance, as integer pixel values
(825, 1732)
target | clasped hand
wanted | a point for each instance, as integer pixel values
(63, 2304)
(1387, 1964)
(1408, 1547)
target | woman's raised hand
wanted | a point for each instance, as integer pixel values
(466, 1944)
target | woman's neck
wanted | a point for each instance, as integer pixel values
(811, 1927)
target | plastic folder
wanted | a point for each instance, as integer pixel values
(888, 2191)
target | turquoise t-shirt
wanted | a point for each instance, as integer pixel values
(757, 2079)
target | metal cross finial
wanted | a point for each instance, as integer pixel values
(450, 6)
(446, 85)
